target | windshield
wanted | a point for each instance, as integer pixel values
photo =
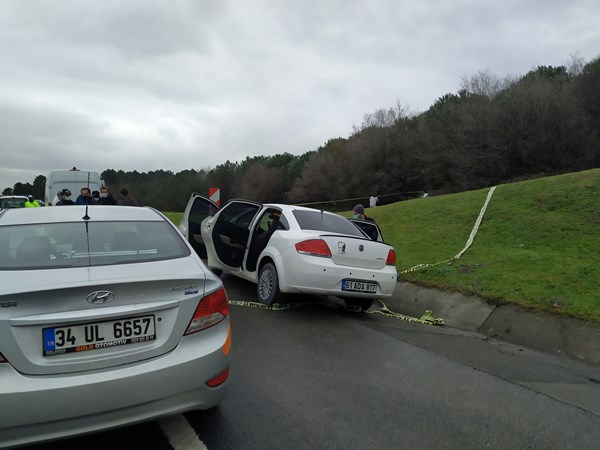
(76, 244)
(315, 220)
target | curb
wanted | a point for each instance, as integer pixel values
(573, 338)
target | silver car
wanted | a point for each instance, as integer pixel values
(107, 318)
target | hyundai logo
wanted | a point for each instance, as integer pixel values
(100, 297)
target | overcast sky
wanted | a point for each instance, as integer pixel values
(189, 84)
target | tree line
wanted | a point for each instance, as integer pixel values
(493, 130)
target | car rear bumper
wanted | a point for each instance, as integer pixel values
(40, 408)
(316, 275)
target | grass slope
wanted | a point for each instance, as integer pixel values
(537, 246)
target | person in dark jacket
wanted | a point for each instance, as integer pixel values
(86, 197)
(126, 199)
(64, 198)
(106, 198)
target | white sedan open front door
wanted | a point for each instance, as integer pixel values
(197, 209)
(226, 235)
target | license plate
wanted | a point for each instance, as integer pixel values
(97, 335)
(359, 286)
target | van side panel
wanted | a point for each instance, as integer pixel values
(74, 180)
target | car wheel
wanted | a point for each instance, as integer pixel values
(361, 302)
(267, 288)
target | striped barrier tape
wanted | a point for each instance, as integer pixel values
(469, 241)
(426, 319)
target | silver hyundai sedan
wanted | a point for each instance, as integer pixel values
(107, 318)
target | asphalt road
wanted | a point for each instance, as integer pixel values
(320, 377)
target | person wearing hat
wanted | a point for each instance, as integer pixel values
(31, 203)
(64, 198)
(359, 213)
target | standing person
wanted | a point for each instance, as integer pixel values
(86, 197)
(126, 199)
(31, 203)
(106, 198)
(373, 201)
(64, 198)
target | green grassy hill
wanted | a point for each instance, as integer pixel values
(538, 245)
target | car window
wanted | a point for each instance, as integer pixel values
(13, 202)
(315, 220)
(200, 210)
(71, 244)
(369, 228)
(265, 220)
(240, 214)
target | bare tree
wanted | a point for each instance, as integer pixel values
(576, 65)
(483, 83)
(384, 117)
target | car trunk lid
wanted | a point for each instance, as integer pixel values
(110, 317)
(357, 252)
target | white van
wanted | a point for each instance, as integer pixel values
(72, 179)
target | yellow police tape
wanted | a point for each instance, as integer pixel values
(426, 318)
(469, 241)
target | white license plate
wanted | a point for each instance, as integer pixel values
(359, 286)
(97, 335)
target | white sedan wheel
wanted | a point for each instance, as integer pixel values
(267, 288)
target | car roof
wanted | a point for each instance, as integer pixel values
(287, 207)
(74, 213)
(13, 196)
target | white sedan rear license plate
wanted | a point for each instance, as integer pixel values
(93, 336)
(359, 286)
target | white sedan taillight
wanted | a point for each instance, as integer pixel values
(314, 247)
(211, 310)
(391, 258)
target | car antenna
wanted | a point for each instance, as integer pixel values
(87, 204)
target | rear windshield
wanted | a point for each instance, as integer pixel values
(315, 220)
(77, 244)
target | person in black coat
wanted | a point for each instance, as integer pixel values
(106, 198)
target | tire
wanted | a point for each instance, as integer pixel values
(267, 288)
(363, 303)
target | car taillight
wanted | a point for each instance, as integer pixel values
(211, 310)
(391, 259)
(314, 247)
(219, 379)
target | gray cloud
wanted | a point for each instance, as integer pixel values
(178, 84)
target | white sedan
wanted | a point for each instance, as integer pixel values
(291, 249)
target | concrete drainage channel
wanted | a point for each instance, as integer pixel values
(574, 338)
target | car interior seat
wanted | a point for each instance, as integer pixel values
(35, 250)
